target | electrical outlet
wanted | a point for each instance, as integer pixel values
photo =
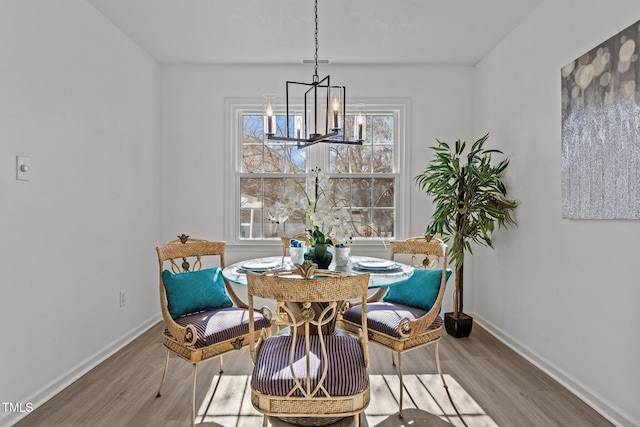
(123, 300)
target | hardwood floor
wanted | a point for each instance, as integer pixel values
(489, 383)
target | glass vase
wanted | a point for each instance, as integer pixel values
(342, 256)
(319, 255)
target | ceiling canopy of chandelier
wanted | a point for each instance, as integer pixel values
(321, 100)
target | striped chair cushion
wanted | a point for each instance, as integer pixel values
(385, 317)
(346, 374)
(219, 325)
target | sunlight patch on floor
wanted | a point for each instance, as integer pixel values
(228, 403)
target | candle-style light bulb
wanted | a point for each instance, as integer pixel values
(359, 128)
(269, 119)
(298, 123)
(336, 109)
(269, 113)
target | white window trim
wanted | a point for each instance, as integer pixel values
(235, 107)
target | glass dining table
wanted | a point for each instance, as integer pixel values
(382, 272)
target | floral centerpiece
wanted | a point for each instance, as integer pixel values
(329, 222)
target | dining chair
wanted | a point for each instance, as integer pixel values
(286, 241)
(302, 374)
(280, 318)
(407, 316)
(203, 316)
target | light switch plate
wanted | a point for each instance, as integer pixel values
(23, 168)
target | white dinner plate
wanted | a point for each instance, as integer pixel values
(376, 263)
(377, 266)
(260, 265)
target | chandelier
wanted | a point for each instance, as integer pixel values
(321, 100)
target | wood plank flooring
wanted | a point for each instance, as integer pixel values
(489, 383)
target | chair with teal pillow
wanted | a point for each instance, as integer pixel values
(203, 316)
(407, 316)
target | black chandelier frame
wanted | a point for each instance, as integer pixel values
(334, 134)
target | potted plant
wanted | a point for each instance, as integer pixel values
(329, 221)
(470, 199)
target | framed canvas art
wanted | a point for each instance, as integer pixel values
(601, 130)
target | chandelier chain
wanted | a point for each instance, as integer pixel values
(315, 57)
(307, 133)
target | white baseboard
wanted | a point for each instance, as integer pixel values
(608, 410)
(41, 396)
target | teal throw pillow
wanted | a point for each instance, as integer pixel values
(420, 291)
(194, 291)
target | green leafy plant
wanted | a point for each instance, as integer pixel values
(470, 199)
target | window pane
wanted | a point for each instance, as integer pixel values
(382, 129)
(339, 158)
(275, 190)
(362, 222)
(383, 158)
(384, 222)
(348, 126)
(250, 224)
(383, 193)
(251, 208)
(366, 197)
(273, 229)
(260, 154)
(361, 192)
(252, 158)
(257, 196)
(281, 129)
(376, 153)
(278, 157)
(252, 143)
(382, 140)
(340, 192)
(252, 128)
(361, 158)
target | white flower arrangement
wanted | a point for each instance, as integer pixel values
(328, 223)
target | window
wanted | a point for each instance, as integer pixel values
(367, 177)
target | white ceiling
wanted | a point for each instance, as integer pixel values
(350, 31)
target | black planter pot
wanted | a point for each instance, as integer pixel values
(458, 327)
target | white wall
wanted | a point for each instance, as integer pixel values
(195, 148)
(82, 101)
(563, 292)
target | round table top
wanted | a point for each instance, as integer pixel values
(383, 272)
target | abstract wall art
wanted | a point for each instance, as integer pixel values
(601, 130)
